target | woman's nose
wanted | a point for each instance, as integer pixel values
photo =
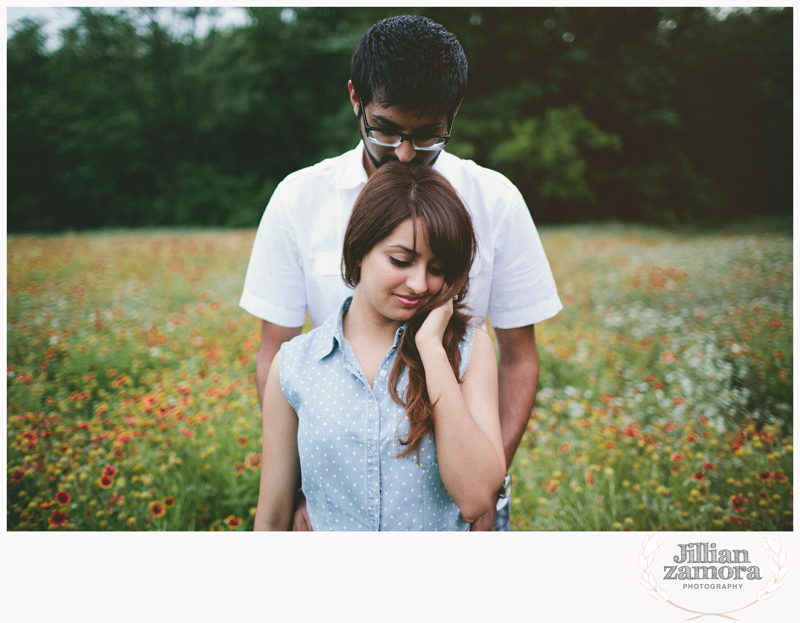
(417, 280)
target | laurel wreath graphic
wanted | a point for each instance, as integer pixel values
(648, 580)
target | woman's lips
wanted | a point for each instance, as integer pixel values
(407, 301)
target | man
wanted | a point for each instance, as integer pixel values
(407, 82)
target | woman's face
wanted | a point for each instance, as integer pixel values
(395, 278)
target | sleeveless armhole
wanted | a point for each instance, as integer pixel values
(282, 376)
(465, 347)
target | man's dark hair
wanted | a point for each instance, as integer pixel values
(410, 62)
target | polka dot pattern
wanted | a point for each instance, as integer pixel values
(349, 438)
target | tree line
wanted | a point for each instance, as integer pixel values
(670, 116)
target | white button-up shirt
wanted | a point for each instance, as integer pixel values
(295, 265)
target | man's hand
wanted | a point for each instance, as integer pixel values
(301, 521)
(487, 522)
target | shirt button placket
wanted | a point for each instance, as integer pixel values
(373, 463)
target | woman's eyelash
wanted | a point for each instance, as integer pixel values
(434, 270)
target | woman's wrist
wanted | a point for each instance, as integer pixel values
(430, 350)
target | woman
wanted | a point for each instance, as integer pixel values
(389, 409)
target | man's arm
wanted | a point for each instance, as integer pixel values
(272, 336)
(518, 376)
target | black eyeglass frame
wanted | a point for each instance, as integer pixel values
(406, 137)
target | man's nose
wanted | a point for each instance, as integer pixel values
(405, 152)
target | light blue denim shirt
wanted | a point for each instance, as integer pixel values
(348, 439)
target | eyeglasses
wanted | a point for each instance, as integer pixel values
(425, 142)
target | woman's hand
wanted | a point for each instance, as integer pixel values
(431, 333)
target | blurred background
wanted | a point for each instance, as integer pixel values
(190, 117)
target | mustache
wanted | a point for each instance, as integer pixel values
(389, 158)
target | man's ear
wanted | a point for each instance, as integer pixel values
(461, 101)
(353, 96)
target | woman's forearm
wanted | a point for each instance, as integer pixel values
(470, 466)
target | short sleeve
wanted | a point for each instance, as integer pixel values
(523, 289)
(274, 287)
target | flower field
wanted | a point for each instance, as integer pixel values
(665, 393)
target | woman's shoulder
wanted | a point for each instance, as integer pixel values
(474, 339)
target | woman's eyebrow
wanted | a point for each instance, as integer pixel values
(406, 249)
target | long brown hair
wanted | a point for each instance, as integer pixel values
(397, 192)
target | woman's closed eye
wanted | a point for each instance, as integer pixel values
(432, 269)
(399, 263)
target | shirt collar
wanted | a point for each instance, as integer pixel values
(331, 333)
(354, 174)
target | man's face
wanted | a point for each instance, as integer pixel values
(393, 119)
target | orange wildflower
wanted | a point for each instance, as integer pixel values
(157, 508)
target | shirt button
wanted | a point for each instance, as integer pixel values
(383, 372)
(372, 492)
(372, 449)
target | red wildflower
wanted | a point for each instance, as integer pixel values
(189, 434)
(585, 423)
(233, 522)
(651, 377)
(764, 475)
(112, 372)
(46, 505)
(607, 398)
(17, 475)
(157, 508)
(589, 478)
(668, 357)
(62, 497)
(691, 437)
(169, 501)
(552, 487)
(676, 457)
(703, 420)
(58, 518)
(563, 448)
(779, 476)
(678, 400)
(669, 426)
(242, 441)
(708, 465)
(109, 471)
(741, 439)
(105, 482)
(738, 502)
(631, 431)
(699, 476)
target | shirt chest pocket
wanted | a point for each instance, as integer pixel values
(427, 450)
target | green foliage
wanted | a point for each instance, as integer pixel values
(663, 115)
(549, 149)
